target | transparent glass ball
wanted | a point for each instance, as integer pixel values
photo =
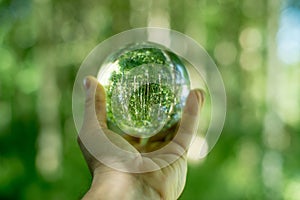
(146, 88)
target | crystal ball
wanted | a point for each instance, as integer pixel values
(146, 88)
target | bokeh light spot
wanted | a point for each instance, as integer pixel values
(28, 80)
(225, 53)
(250, 39)
(292, 190)
(250, 60)
(288, 36)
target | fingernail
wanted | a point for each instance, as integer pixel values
(200, 95)
(86, 83)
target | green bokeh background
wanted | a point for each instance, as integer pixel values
(43, 42)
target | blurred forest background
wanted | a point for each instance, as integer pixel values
(256, 45)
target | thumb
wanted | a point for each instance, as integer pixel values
(95, 103)
(190, 118)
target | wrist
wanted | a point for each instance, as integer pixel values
(113, 184)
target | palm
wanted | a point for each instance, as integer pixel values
(165, 152)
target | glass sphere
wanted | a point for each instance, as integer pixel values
(146, 88)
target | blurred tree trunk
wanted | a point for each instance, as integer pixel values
(272, 173)
(120, 11)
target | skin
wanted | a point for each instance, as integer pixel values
(165, 183)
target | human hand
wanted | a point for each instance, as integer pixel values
(132, 177)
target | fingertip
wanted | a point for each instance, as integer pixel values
(89, 81)
(90, 85)
(86, 83)
(193, 102)
(200, 94)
